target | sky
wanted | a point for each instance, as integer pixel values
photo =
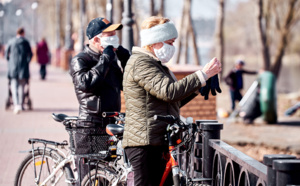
(201, 9)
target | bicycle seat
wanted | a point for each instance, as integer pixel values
(114, 129)
(63, 117)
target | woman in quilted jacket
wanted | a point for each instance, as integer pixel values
(150, 88)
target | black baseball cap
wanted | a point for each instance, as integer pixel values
(99, 25)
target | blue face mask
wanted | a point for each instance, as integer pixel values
(110, 40)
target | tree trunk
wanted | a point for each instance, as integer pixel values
(186, 29)
(161, 11)
(263, 37)
(118, 6)
(191, 32)
(181, 34)
(152, 6)
(219, 35)
(283, 39)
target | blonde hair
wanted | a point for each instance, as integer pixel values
(151, 22)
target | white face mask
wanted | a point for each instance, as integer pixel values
(165, 53)
(110, 40)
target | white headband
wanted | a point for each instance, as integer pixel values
(158, 33)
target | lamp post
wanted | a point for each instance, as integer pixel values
(67, 52)
(2, 26)
(127, 21)
(82, 23)
(34, 6)
(18, 14)
(109, 10)
(68, 28)
(57, 41)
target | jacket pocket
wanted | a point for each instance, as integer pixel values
(93, 105)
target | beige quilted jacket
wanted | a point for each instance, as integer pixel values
(149, 89)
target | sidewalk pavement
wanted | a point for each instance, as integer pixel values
(56, 95)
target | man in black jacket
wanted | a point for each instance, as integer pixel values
(235, 81)
(97, 75)
(18, 55)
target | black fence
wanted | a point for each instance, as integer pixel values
(216, 163)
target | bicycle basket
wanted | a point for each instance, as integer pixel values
(88, 140)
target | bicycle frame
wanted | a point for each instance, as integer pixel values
(60, 165)
(172, 163)
(66, 159)
(174, 139)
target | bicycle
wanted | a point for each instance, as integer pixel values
(51, 161)
(181, 137)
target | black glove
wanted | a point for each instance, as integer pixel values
(108, 51)
(122, 52)
(105, 60)
(215, 85)
(205, 90)
(123, 55)
(212, 84)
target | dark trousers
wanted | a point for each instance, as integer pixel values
(148, 164)
(43, 71)
(84, 168)
(235, 95)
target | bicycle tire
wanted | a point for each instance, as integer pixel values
(25, 173)
(102, 180)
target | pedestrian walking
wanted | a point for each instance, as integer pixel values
(43, 57)
(18, 55)
(150, 88)
(235, 81)
(97, 76)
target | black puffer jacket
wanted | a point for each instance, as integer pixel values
(97, 80)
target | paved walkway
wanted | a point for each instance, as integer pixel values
(56, 95)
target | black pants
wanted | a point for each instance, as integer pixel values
(148, 164)
(235, 95)
(43, 71)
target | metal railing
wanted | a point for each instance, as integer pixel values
(222, 165)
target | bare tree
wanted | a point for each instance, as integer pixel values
(279, 16)
(152, 8)
(160, 11)
(219, 36)
(186, 30)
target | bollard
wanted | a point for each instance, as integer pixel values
(196, 156)
(210, 131)
(268, 161)
(287, 172)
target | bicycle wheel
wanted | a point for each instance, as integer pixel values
(95, 180)
(35, 172)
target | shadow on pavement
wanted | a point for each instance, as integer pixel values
(289, 123)
(50, 110)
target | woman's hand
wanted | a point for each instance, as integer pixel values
(212, 68)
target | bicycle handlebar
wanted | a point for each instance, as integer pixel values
(112, 114)
(167, 118)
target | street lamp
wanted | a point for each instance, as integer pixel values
(68, 28)
(109, 10)
(127, 21)
(18, 14)
(34, 6)
(2, 26)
